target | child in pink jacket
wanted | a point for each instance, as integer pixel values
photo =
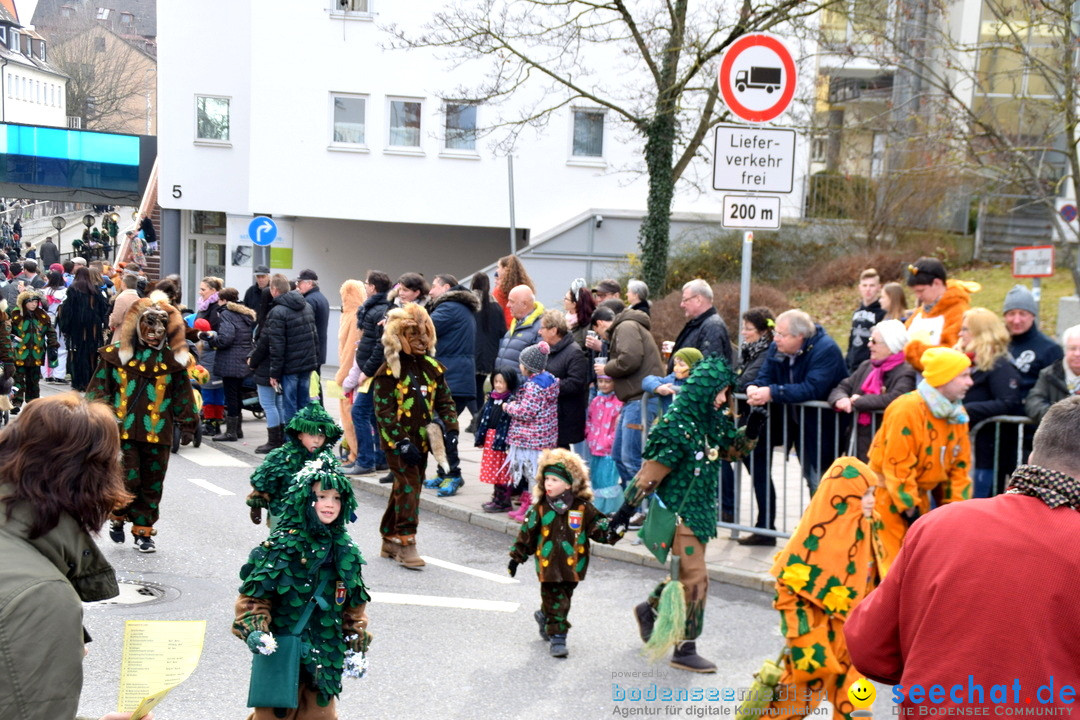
(534, 423)
(600, 427)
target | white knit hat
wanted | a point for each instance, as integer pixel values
(893, 334)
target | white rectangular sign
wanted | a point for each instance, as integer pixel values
(750, 159)
(1037, 261)
(751, 212)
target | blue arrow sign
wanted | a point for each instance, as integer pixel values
(262, 231)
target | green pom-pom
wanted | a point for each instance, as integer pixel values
(670, 626)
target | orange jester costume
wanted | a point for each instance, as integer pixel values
(827, 567)
(939, 325)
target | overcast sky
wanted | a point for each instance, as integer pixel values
(26, 10)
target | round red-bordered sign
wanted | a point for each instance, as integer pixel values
(771, 87)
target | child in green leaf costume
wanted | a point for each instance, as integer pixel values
(143, 376)
(33, 339)
(310, 545)
(311, 433)
(556, 532)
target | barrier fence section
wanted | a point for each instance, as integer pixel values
(802, 440)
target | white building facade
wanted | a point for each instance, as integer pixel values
(33, 92)
(357, 153)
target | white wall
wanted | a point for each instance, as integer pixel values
(32, 106)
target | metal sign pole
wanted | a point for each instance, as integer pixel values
(1036, 292)
(744, 289)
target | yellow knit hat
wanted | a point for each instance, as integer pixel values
(941, 364)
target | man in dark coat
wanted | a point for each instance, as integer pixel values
(293, 346)
(48, 252)
(254, 293)
(803, 363)
(452, 309)
(1029, 348)
(369, 356)
(307, 284)
(524, 329)
(568, 363)
(705, 329)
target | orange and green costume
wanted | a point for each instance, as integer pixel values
(939, 326)
(827, 567)
(912, 454)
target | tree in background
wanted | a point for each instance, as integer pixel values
(650, 64)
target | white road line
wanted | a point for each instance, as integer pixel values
(209, 457)
(441, 601)
(207, 485)
(493, 577)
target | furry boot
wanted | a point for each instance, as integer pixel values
(275, 438)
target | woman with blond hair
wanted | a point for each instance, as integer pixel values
(353, 295)
(508, 275)
(894, 302)
(995, 391)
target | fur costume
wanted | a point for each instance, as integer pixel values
(272, 479)
(148, 388)
(33, 340)
(282, 573)
(410, 393)
(352, 297)
(556, 534)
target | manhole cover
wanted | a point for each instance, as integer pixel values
(135, 593)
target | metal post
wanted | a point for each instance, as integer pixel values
(1036, 292)
(747, 261)
(513, 226)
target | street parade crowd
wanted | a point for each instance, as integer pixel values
(557, 400)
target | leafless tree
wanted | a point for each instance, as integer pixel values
(651, 64)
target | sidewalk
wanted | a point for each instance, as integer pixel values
(727, 561)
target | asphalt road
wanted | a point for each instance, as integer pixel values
(483, 660)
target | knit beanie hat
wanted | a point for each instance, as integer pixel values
(558, 470)
(534, 357)
(1020, 298)
(893, 334)
(689, 355)
(940, 365)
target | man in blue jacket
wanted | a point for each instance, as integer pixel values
(802, 364)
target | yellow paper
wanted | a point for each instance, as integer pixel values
(158, 656)
(365, 386)
(332, 390)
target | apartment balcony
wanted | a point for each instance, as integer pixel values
(848, 90)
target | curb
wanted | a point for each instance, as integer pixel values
(625, 553)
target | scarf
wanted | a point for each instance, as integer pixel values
(1052, 487)
(1072, 380)
(940, 406)
(875, 381)
(749, 351)
(561, 502)
(204, 304)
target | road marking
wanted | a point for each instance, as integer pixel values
(449, 602)
(209, 457)
(493, 577)
(207, 485)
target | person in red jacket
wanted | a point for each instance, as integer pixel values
(979, 608)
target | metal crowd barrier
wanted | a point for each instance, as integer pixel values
(815, 448)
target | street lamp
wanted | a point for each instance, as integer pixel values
(58, 222)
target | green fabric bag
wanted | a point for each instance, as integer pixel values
(275, 678)
(658, 531)
(763, 690)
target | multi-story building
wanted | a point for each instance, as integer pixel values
(363, 155)
(33, 91)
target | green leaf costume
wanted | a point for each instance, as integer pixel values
(692, 439)
(282, 573)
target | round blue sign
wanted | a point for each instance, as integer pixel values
(1068, 213)
(262, 230)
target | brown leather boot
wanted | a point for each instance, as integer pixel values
(407, 556)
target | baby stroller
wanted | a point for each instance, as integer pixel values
(198, 375)
(249, 398)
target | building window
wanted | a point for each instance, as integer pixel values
(211, 118)
(204, 222)
(349, 119)
(103, 13)
(405, 123)
(127, 19)
(9, 85)
(460, 126)
(588, 134)
(361, 6)
(3, 35)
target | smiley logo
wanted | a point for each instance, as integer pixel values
(861, 693)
